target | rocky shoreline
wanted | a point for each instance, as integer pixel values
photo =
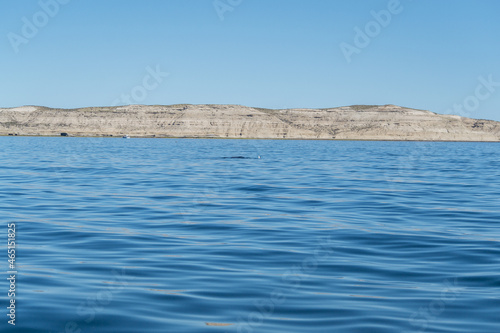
(358, 122)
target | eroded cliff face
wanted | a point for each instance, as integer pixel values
(362, 122)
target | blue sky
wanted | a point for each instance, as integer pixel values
(436, 55)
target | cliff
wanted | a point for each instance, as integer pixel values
(362, 122)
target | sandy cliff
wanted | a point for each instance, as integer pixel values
(388, 122)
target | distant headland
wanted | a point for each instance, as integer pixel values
(357, 122)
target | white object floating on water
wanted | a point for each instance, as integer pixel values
(126, 137)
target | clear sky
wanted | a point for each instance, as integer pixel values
(438, 55)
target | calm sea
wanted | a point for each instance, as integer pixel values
(165, 235)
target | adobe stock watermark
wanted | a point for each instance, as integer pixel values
(220, 180)
(31, 26)
(151, 81)
(484, 90)
(224, 6)
(364, 36)
(264, 309)
(95, 303)
(421, 318)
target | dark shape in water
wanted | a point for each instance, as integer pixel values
(240, 157)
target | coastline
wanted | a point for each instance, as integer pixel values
(263, 139)
(352, 123)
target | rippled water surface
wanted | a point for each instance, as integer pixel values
(154, 235)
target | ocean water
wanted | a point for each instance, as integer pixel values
(166, 235)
